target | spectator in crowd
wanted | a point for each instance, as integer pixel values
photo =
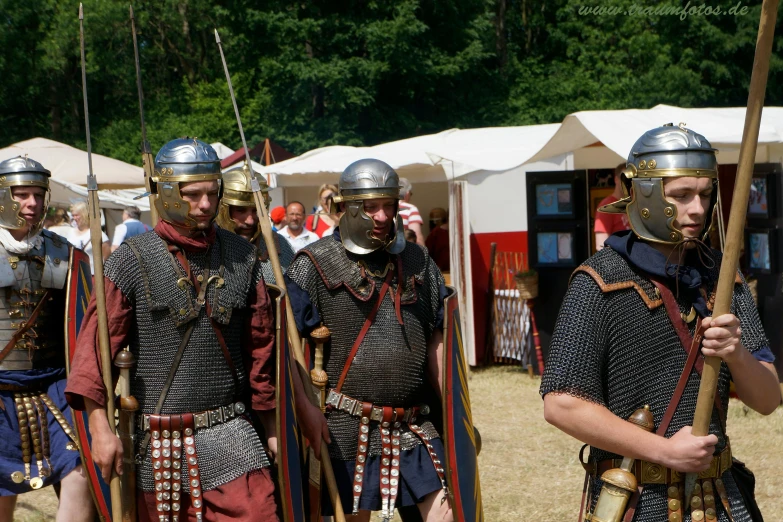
(80, 237)
(322, 220)
(411, 219)
(130, 226)
(438, 239)
(277, 215)
(59, 222)
(608, 224)
(295, 232)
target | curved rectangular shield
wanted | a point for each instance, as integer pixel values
(78, 292)
(459, 437)
(289, 453)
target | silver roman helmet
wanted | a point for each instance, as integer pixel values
(238, 192)
(364, 180)
(661, 153)
(183, 160)
(20, 171)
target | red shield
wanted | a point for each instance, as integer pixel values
(289, 452)
(462, 472)
(78, 292)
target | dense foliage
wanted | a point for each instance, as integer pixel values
(360, 72)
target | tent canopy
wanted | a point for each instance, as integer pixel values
(119, 182)
(618, 130)
(434, 157)
(69, 164)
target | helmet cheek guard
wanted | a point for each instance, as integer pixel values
(663, 153)
(184, 160)
(21, 171)
(361, 181)
(238, 192)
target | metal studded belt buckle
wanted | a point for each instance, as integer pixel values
(347, 405)
(376, 414)
(215, 416)
(333, 398)
(201, 420)
(228, 412)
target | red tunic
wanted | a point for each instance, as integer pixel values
(233, 500)
(85, 378)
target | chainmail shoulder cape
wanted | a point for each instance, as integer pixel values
(390, 366)
(614, 345)
(284, 252)
(145, 273)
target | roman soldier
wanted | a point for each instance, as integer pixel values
(381, 298)
(38, 444)
(633, 327)
(189, 300)
(238, 214)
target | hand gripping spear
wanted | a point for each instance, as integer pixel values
(271, 245)
(739, 206)
(98, 286)
(146, 151)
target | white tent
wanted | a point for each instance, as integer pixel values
(119, 182)
(69, 164)
(602, 139)
(435, 157)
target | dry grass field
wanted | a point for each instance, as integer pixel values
(529, 470)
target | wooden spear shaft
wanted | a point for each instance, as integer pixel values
(739, 206)
(98, 286)
(146, 151)
(277, 269)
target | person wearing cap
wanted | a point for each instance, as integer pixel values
(277, 215)
(238, 214)
(381, 298)
(39, 446)
(189, 300)
(632, 329)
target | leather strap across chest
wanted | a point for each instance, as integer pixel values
(371, 318)
(29, 324)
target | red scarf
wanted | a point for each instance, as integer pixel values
(173, 236)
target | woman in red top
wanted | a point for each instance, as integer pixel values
(321, 221)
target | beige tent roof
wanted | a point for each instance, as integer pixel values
(69, 164)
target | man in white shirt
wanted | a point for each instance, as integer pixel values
(130, 226)
(411, 218)
(295, 232)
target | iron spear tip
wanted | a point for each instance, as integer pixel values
(217, 36)
(81, 11)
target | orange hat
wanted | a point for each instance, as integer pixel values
(277, 214)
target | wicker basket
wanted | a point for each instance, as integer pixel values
(527, 284)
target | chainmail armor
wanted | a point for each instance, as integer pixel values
(390, 366)
(612, 349)
(204, 380)
(284, 252)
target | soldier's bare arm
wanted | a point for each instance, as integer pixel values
(434, 360)
(596, 425)
(106, 447)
